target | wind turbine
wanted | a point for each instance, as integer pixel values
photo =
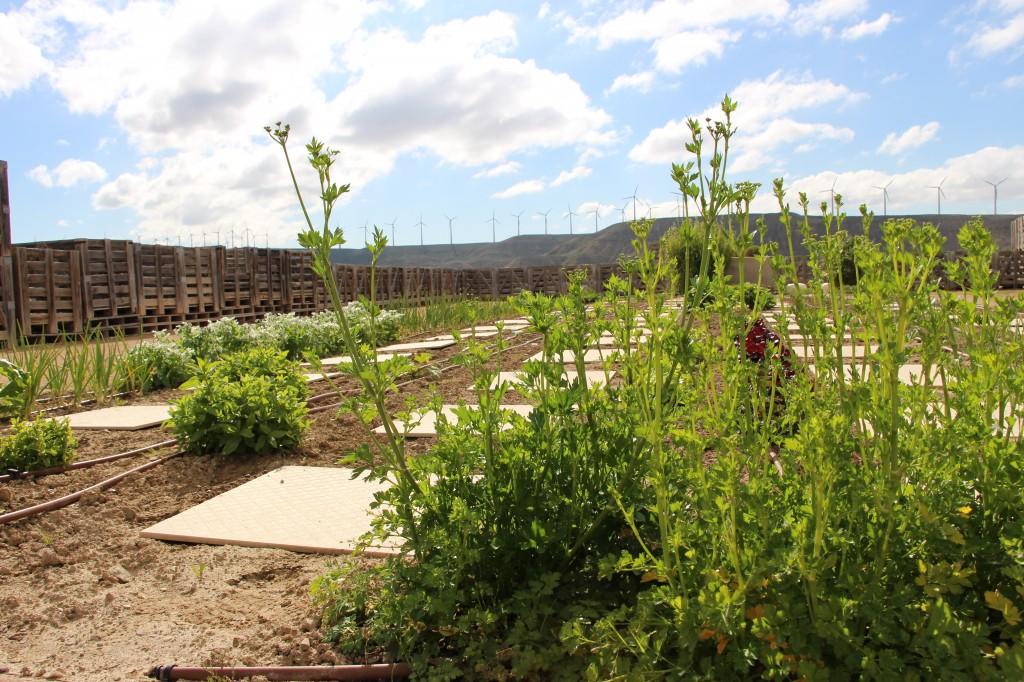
(832, 192)
(885, 196)
(420, 225)
(995, 195)
(518, 216)
(393, 242)
(679, 205)
(492, 221)
(938, 194)
(366, 225)
(545, 214)
(633, 197)
(623, 211)
(451, 233)
(597, 214)
(569, 215)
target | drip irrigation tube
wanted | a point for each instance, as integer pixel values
(379, 671)
(85, 464)
(62, 502)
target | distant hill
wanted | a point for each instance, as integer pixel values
(608, 244)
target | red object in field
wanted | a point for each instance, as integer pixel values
(756, 346)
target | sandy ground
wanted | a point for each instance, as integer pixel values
(84, 597)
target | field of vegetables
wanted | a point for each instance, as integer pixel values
(705, 480)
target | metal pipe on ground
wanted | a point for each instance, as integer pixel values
(354, 673)
(61, 502)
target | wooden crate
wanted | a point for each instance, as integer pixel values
(109, 288)
(204, 283)
(270, 280)
(306, 291)
(510, 281)
(48, 286)
(546, 280)
(8, 312)
(237, 266)
(160, 276)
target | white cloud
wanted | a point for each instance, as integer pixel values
(681, 32)
(68, 173)
(893, 77)
(910, 191)
(868, 28)
(911, 138)
(990, 40)
(674, 52)
(21, 61)
(762, 120)
(544, 10)
(818, 16)
(524, 187)
(501, 169)
(632, 81)
(570, 175)
(193, 85)
(1014, 81)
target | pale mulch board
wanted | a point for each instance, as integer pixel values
(418, 345)
(591, 355)
(298, 508)
(594, 379)
(427, 425)
(451, 337)
(121, 418)
(317, 376)
(491, 328)
(849, 352)
(911, 375)
(346, 360)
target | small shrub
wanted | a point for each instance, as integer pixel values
(160, 363)
(753, 293)
(249, 402)
(215, 339)
(37, 444)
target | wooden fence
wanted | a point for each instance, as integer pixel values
(48, 289)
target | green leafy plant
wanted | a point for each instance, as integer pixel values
(250, 402)
(37, 444)
(160, 363)
(718, 510)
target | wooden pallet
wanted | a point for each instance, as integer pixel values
(108, 275)
(48, 285)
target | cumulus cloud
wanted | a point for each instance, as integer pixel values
(1014, 82)
(21, 60)
(68, 173)
(762, 119)
(868, 28)
(895, 144)
(820, 15)
(524, 187)
(990, 40)
(192, 85)
(570, 175)
(501, 169)
(910, 191)
(632, 81)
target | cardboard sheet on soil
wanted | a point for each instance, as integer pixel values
(297, 508)
(121, 418)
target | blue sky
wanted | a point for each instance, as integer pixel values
(144, 120)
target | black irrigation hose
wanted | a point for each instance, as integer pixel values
(354, 673)
(71, 498)
(66, 500)
(85, 464)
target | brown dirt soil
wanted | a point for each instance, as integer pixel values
(83, 597)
